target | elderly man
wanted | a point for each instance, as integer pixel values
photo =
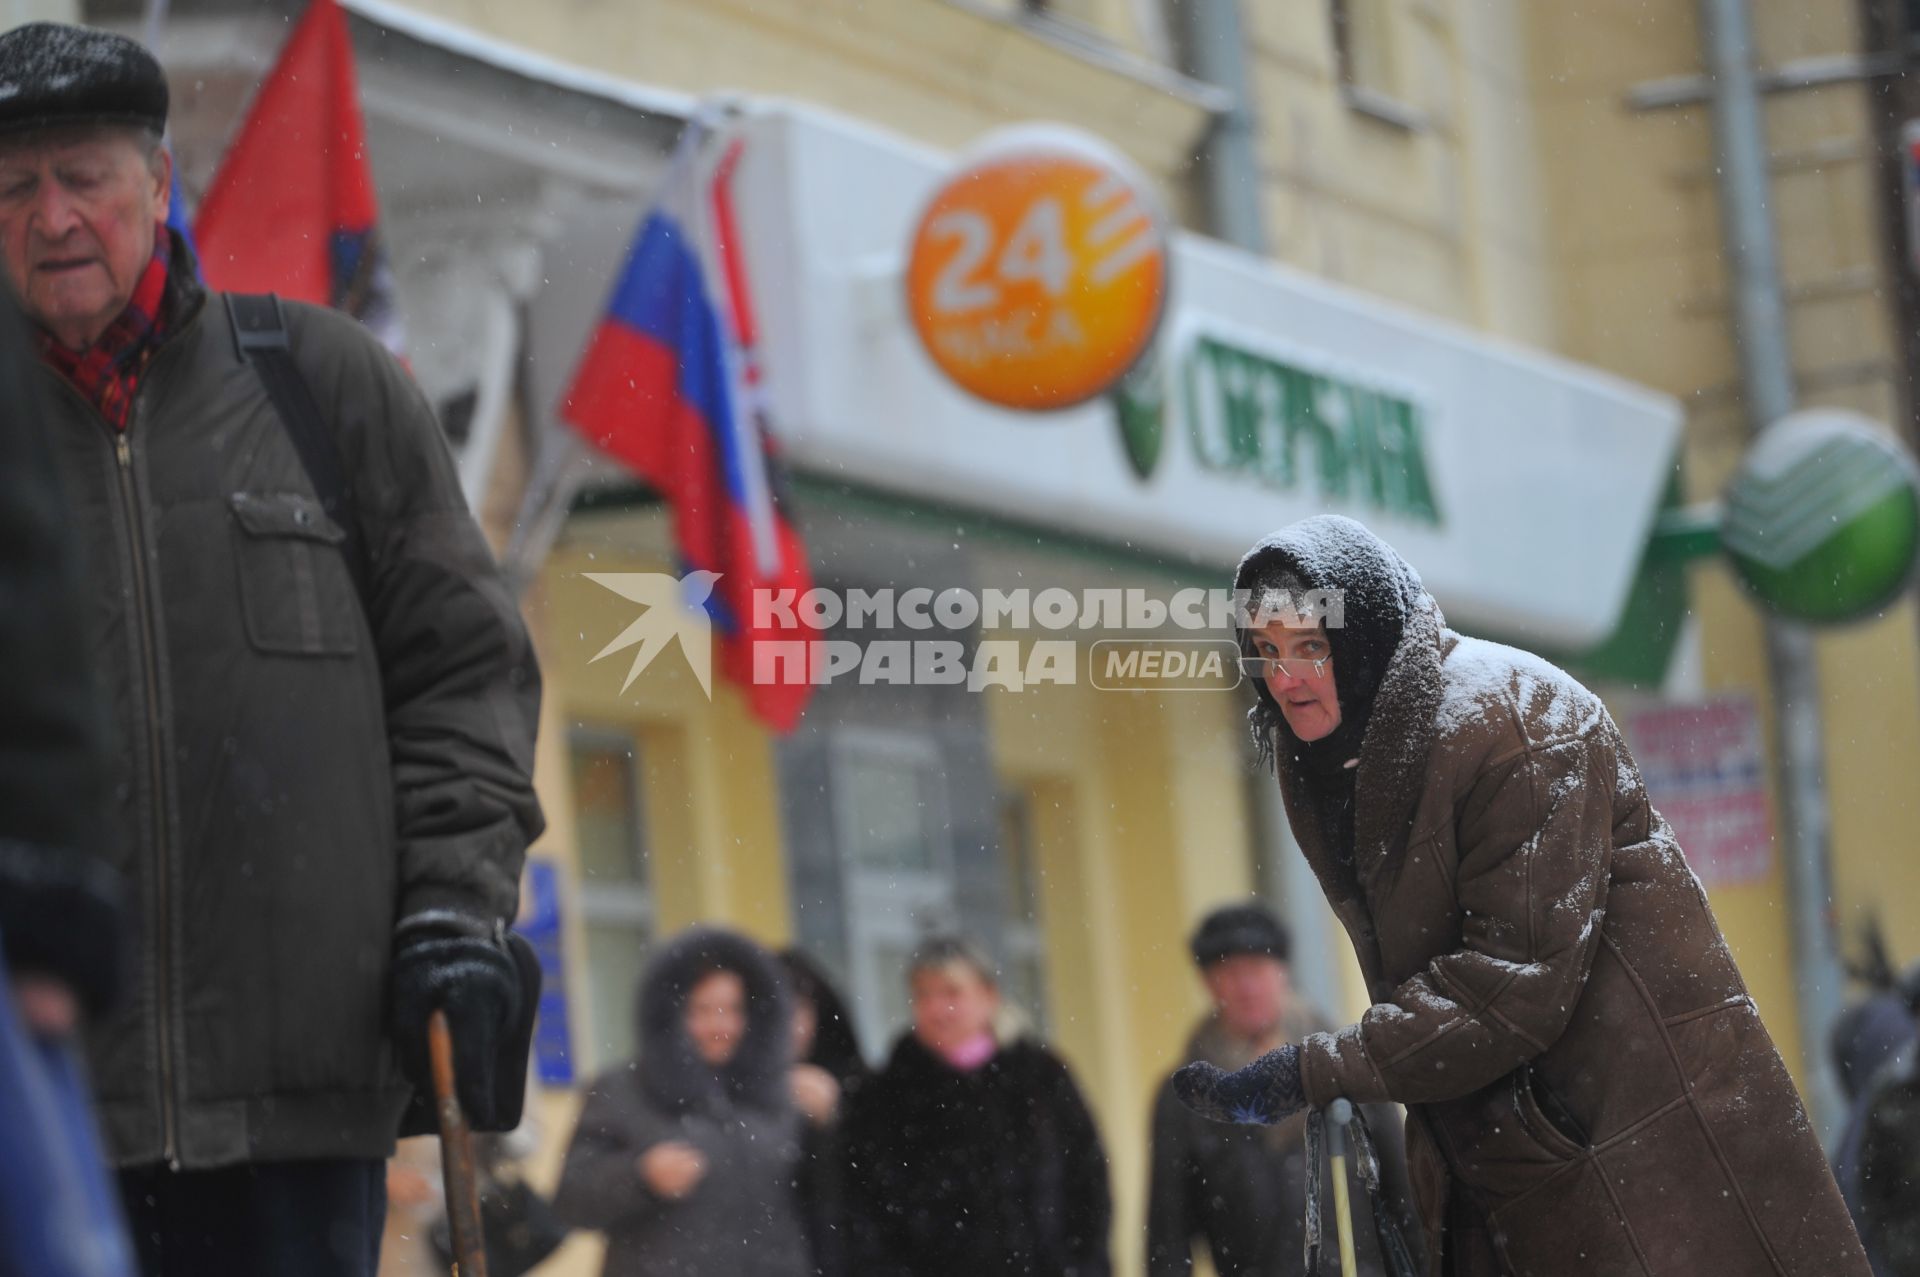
(1242, 1189)
(323, 700)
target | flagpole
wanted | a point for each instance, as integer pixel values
(751, 420)
(544, 508)
(565, 459)
(154, 24)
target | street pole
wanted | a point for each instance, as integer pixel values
(153, 25)
(1759, 310)
(1216, 52)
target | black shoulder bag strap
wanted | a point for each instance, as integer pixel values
(260, 333)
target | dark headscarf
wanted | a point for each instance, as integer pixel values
(836, 1048)
(1378, 590)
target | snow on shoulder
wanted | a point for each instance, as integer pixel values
(1484, 679)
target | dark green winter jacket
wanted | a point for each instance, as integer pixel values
(292, 773)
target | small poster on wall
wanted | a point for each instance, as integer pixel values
(1705, 772)
(540, 924)
(1910, 188)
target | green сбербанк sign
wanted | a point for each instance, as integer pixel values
(1822, 519)
(1285, 425)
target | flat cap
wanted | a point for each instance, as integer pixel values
(1235, 929)
(52, 74)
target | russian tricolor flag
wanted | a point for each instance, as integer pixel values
(669, 385)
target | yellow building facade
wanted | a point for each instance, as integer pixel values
(1484, 174)
(1637, 259)
(1477, 162)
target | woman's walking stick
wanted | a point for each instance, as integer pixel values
(1341, 1111)
(456, 1157)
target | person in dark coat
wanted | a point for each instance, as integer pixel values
(824, 1036)
(686, 1157)
(969, 1156)
(1887, 1159)
(1589, 1086)
(1867, 1037)
(828, 1070)
(321, 705)
(61, 907)
(62, 910)
(1242, 1189)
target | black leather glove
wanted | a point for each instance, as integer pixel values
(1265, 1092)
(461, 965)
(61, 915)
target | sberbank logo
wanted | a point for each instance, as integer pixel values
(1140, 406)
(1285, 425)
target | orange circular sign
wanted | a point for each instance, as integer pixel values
(1038, 272)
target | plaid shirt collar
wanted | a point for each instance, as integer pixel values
(107, 373)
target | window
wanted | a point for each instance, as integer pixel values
(1023, 933)
(890, 817)
(1367, 57)
(616, 903)
(1092, 27)
(886, 798)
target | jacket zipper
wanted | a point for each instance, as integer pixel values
(156, 733)
(163, 932)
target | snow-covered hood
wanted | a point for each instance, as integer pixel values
(1378, 592)
(671, 1070)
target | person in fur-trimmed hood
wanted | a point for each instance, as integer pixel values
(1589, 1087)
(686, 1157)
(970, 1156)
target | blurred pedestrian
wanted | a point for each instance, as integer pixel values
(62, 920)
(1878, 1161)
(824, 1034)
(1590, 1088)
(969, 1156)
(686, 1157)
(828, 1070)
(1242, 1189)
(322, 694)
(61, 907)
(1867, 1036)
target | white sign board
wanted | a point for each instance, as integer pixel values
(1520, 485)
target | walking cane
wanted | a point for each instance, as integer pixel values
(456, 1157)
(1341, 1111)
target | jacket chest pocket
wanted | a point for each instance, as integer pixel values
(296, 593)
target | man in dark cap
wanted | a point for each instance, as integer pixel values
(1242, 1189)
(321, 695)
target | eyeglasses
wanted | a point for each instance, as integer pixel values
(1264, 667)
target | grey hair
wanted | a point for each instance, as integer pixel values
(151, 145)
(145, 138)
(940, 951)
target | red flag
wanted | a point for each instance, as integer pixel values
(292, 209)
